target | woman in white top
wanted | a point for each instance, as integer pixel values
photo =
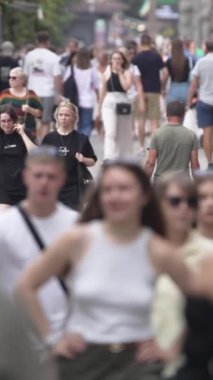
(87, 82)
(110, 263)
(117, 80)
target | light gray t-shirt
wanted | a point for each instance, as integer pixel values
(174, 145)
(204, 71)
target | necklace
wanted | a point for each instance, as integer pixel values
(64, 148)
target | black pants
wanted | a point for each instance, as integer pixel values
(98, 363)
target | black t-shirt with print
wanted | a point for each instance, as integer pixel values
(12, 156)
(68, 146)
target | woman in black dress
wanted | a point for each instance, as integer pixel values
(76, 149)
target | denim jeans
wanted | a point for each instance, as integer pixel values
(85, 120)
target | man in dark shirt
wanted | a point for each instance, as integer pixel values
(7, 62)
(150, 64)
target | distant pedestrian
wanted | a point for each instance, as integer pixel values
(203, 83)
(7, 62)
(173, 147)
(15, 143)
(178, 71)
(118, 127)
(150, 65)
(42, 68)
(26, 103)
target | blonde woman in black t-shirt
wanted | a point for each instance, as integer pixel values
(74, 146)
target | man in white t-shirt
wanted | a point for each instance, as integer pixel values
(43, 70)
(202, 81)
(44, 176)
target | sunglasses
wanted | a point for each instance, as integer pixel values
(13, 77)
(177, 201)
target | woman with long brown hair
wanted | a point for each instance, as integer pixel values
(110, 262)
(178, 70)
(117, 80)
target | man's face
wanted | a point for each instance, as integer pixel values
(205, 203)
(44, 181)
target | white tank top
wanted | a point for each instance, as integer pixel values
(112, 289)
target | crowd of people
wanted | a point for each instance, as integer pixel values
(114, 284)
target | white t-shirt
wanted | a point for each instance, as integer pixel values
(203, 70)
(41, 66)
(87, 82)
(19, 249)
(132, 92)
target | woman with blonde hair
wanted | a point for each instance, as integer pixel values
(74, 146)
(115, 107)
(25, 102)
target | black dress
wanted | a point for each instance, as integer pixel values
(198, 346)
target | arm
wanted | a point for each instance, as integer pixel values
(28, 143)
(36, 112)
(150, 162)
(58, 85)
(102, 94)
(192, 90)
(164, 79)
(194, 160)
(85, 160)
(125, 78)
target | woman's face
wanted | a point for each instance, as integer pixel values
(117, 60)
(66, 118)
(178, 208)
(121, 196)
(6, 123)
(16, 79)
(205, 203)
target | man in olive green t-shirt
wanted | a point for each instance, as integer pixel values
(173, 147)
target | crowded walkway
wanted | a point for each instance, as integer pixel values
(106, 211)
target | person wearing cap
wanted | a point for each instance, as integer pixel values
(43, 176)
(7, 62)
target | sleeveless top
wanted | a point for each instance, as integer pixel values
(112, 288)
(113, 84)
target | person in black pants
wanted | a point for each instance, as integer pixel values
(75, 147)
(15, 142)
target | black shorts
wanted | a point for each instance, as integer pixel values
(10, 199)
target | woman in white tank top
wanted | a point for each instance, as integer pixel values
(111, 261)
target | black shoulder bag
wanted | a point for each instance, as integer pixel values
(85, 178)
(39, 241)
(121, 108)
(70, 90)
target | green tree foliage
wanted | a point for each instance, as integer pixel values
(21, 25)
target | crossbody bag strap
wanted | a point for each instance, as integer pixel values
(39, 241)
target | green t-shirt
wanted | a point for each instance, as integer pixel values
(174, 144)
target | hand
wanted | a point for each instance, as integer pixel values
(69, 346)
(149, 351)
(25, 108)
(79, 157)
(19, 128)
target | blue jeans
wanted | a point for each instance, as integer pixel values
(85, 120)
